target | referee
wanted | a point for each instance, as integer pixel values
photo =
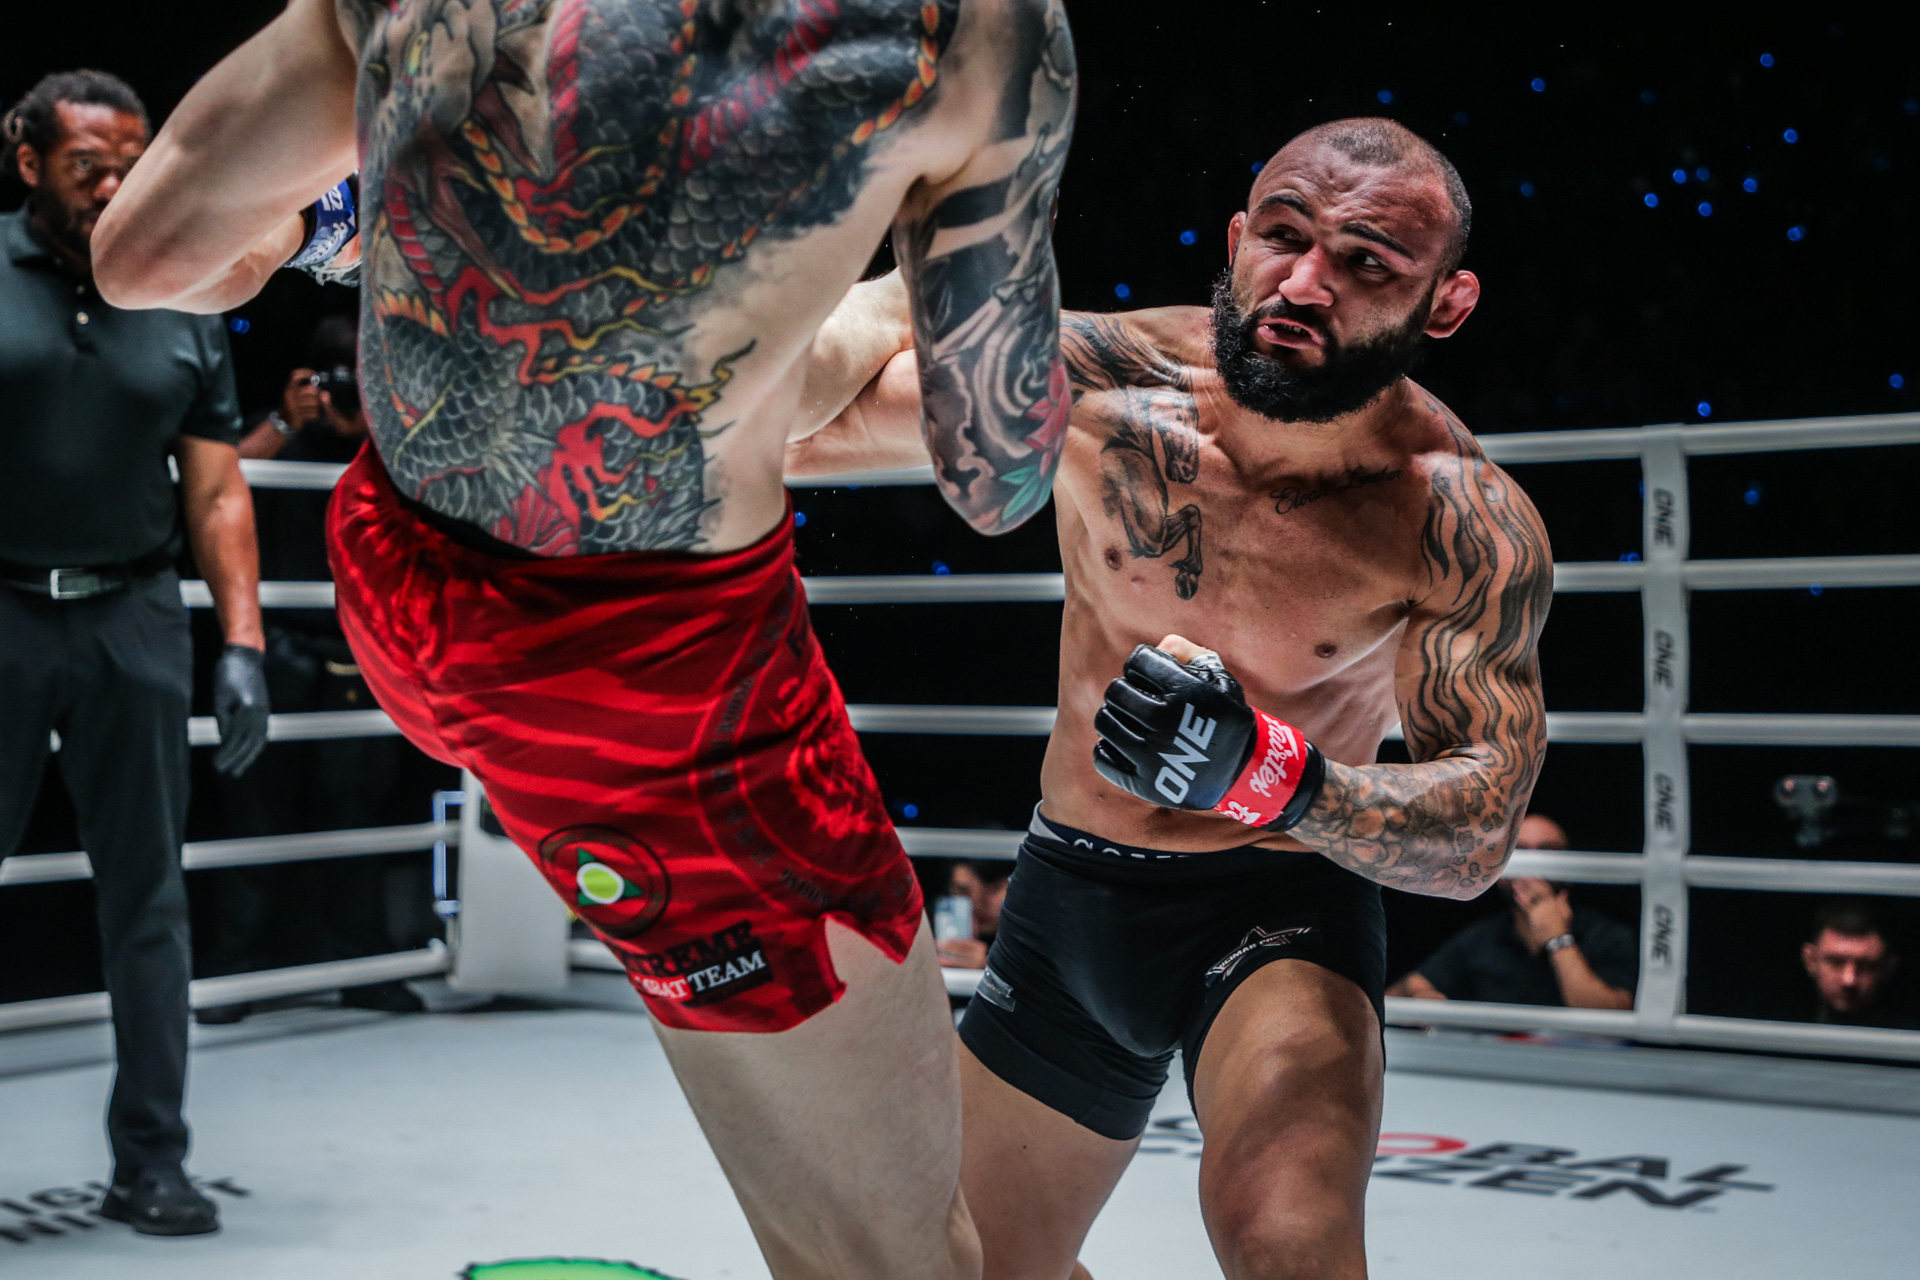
(94, 643)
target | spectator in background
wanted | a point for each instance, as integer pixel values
(1851, 962)
(1541, 950)
(983, 886)
(268, 917)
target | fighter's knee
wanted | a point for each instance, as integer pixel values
(1289, 1246)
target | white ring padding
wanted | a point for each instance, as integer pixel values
(251, 851)
(271, 473)
(1686, 1028)
(1785, 875)
(866, 479)
(205, 993)
(303, 726)
(1788, 435)
(1030, 588)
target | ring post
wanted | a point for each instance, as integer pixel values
(510, 936)
(1663, 603)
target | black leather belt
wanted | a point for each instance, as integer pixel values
(85, 582)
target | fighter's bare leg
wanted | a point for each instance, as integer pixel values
(1034, 1179)
(1287, 1092)
(841, 1137)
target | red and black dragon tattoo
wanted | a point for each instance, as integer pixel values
(547, 186)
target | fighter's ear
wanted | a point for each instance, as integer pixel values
(1454, 299)
(1235, 229)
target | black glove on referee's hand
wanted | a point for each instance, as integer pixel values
(240, 708)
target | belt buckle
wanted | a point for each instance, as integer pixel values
(85, 584)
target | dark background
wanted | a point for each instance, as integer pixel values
(1601, 309)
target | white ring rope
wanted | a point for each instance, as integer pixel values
(249, 851)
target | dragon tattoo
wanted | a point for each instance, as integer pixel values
(548, 188)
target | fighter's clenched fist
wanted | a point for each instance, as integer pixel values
(1183, 736)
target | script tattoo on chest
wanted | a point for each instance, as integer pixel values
(552, 191)
(1290, 498)
(1154, 441)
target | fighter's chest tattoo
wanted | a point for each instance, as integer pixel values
(1292, 496)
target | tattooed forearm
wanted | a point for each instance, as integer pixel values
(1470, 702)
(986, 298)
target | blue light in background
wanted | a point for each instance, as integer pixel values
(1539, 85)
(940, 569)
(1704, 409)
(1791, 135)
(1651, 200)
(1750, 185)
(1258, 165)
(1121, 291)
(1629, 557)
(1796, 234)
(909, 810)
(1188, 237)
(799, 519)
(1702, 174)
(1679, 175)
(1385, 95)
(1648, 97)
(1896, 382)
(238, 325)
(1815, 589)
(1526, 189)
(1752, 495)
(1705, 209)
(1766, 59)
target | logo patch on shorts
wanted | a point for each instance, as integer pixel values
(1257, 939)
(994, 990)
(706, 970)
(619, 886)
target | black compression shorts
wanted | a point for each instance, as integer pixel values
(1108, 958)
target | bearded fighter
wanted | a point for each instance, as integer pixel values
(1203, 870)
(598, 240)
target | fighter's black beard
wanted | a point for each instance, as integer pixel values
(1348, 380)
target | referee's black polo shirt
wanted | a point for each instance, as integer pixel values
(91, 399)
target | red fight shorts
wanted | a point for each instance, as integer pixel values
(658, 731)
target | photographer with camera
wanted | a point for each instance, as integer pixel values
(310, 786)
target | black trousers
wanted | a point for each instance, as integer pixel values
(113, 674)
(304, 912)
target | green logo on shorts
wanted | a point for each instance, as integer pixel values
(599, 883)
(560, 1269)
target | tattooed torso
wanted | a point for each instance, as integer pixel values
(1307, 566)
(598, 236)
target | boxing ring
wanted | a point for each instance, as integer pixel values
(1561, 1129)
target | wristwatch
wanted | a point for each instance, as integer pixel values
(1563, 941)
(279, 424)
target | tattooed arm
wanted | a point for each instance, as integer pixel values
(1470, 702)
(979, 265)
(213, 207)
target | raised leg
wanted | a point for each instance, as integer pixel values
(1287, 1092)
(841, 1137)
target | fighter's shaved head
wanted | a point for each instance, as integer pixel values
(1387, 144)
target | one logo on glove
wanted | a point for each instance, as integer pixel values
(619, 886)
(1176, 776)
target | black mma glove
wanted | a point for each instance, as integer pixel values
(1183, 737)
(240, 708)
